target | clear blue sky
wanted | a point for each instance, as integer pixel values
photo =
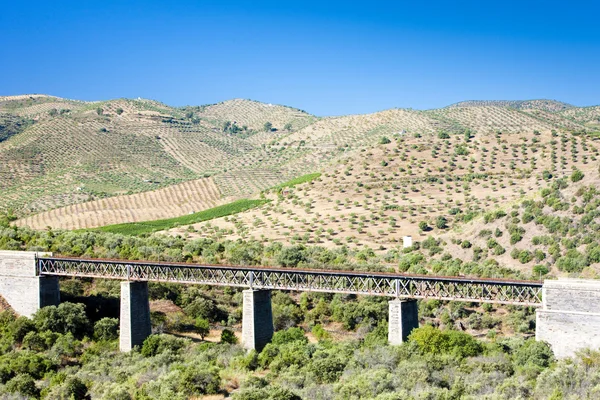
(326, 57)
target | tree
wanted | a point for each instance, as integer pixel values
(384, 140)
(202, 327)
(99, 111)
(24, 385)
(291, 256)
(189, 114)
(67, 317)
(119, 111)
(288, 127)
(441, 222)
(577, 175)
(268, 127)
(53, 112)
(423, 226)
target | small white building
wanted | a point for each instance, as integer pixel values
(407, 241)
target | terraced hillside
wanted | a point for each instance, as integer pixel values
(55, 153)
(425, 185)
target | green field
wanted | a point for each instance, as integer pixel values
(138, 228)
(297, 181)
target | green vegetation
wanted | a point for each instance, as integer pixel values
(434, 363)
(299, 180)
(139, 228)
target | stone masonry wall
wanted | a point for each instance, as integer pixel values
(135, 324)
(570, 317)
(20, 286)
(257, 319)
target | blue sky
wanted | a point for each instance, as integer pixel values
(326, 57)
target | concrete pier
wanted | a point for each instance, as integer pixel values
(570, 317)
(257, 319)
(20, 285)
(135, 315)
(403, 318)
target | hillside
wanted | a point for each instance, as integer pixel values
(541, 104)
(442, 186)
(60, 158)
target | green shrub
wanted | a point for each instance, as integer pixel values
(106, 329)
(540, 270)
(199, 379)
(67, 317)
(156, 344)
(288, 336)
(576, 176)
(433, 341)
(227, 336)
(534, 353)
(23, 384)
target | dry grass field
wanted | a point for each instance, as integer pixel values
(172, 201)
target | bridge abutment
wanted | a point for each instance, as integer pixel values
(20, 285)
(569, 319)
(135, 315)
(403, 318)
(257, 319)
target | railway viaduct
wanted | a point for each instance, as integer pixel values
(568, 314)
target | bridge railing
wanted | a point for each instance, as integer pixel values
(376, 284)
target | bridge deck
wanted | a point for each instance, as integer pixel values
(368, 283)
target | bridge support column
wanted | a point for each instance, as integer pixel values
(404, 317)
(569, 319)
(257, 319)
(135, 315)
(21, 287)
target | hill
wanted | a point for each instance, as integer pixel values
(444, 186)
(60, 160)
(542, 104)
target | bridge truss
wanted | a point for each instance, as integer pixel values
(377, 284)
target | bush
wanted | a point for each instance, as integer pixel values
(384, 140)
(540, 270)
(320, 333)
(288, 336)
(202, 308)
(22, 384)
(291, 256)
(67, 317)
(227, 336)
(433, 341)
(576, 176)
(106, 329)
(199, 379)
(156, 344)
(534, 353)
(441, 222)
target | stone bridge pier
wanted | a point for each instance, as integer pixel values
(21, 286)
(569, 319)
(26, 292)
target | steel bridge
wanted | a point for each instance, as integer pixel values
(527, 293)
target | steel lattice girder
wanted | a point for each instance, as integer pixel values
(377, 284)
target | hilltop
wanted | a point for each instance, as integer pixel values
(541, 104)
